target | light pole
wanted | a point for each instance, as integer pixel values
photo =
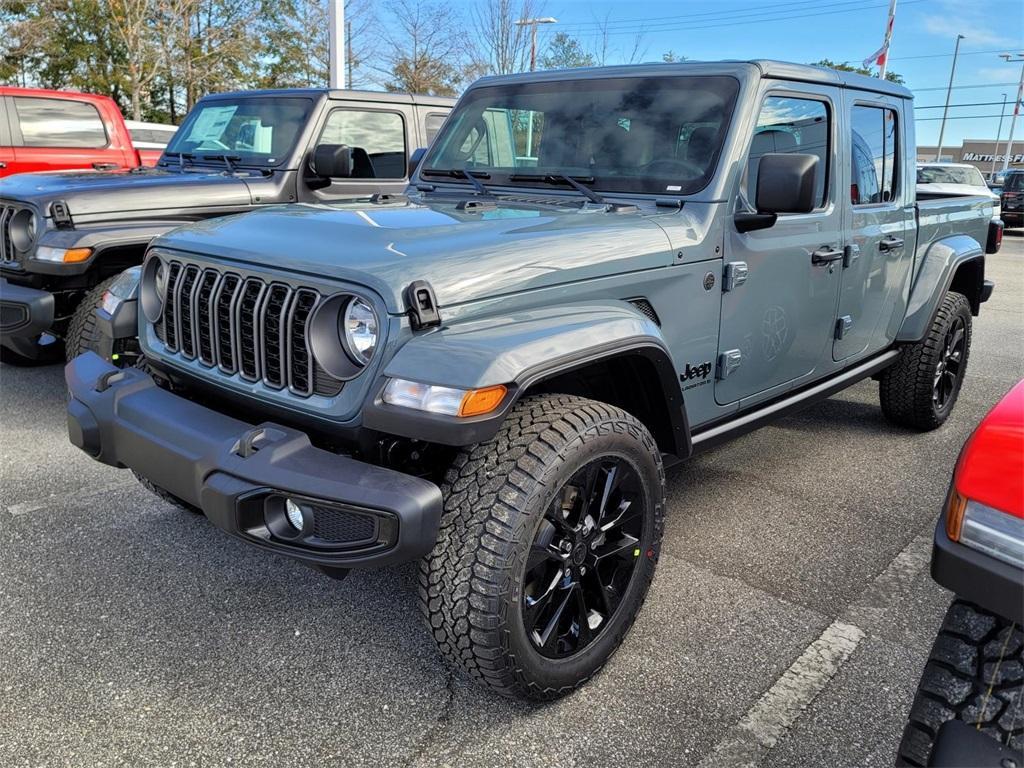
(336, 43)
(532, 24)
(999, 132)
(1014, 57)
(949, 90)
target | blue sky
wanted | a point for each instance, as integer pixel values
(842, 30)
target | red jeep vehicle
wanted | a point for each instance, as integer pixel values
(969, 707)
(57, 130)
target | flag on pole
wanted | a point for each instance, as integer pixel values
(881, 56)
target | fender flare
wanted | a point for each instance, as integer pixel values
(102, 240)
(522, 350)
(940, 264)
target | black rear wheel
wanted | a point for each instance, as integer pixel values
(920, 389)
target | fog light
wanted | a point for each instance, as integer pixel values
(294, 514)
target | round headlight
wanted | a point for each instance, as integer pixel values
(23, 230)
(153, 288)
(360, 330)
(160, 281)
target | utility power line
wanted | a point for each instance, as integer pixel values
(957, 117)
(746, 20)
(953, 107)
(683, 21)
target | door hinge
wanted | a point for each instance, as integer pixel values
(422, 305)
(843, 325)
(735, 275)
(728, 362)
(850, 255)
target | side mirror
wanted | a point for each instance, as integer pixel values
(785, 184)
(333, 161)
(415, 158)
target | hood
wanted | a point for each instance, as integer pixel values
(93, 195)
(464, 255)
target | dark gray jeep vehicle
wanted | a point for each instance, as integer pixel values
(64, 237)
(594, 273)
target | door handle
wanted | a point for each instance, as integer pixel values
(890, 243)
(105, 166)
(826, 255)
(3, 165)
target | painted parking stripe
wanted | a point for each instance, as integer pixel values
(772, 715)
(78, 494)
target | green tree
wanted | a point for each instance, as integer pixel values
(565, 52)
(845, 66)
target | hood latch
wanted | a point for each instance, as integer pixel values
(421, 304)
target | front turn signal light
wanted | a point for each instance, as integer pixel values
(955, 515)
(477, 402)
(75, 255)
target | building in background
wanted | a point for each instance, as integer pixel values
(977, 152)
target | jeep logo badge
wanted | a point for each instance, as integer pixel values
(709, 281)
(701, 371)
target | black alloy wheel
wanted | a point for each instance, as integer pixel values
(949, 370)
(583, 557)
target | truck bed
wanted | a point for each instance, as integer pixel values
(939, 217)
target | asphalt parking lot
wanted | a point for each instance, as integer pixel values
(132, 633)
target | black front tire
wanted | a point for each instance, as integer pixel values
(920, 389)
(975, 674)
(83, 334)
(497, 496)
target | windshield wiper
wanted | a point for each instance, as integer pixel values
(561, 178)
(473, 177)
(182, 156)
(226, 158)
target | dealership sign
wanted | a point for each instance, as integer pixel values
(976, 157)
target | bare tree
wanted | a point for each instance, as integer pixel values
(504, 45)
(423, 51)
(136, 22)
(603, 50)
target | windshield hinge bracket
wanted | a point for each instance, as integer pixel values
(421, 304)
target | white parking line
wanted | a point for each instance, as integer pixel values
(28, 507)
(772, 715)
(775, 712)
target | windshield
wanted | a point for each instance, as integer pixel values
(931, 174)
(648, 135)
(1014, 182)
(250, 131)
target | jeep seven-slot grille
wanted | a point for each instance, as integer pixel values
(6, 244)
(243, 326)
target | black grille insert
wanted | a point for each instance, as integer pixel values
(245, 326)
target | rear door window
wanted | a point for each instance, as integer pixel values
(381, 135)
(874, 155)
(59, 123)
(432, 124)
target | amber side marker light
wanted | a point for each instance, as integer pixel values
(75, 255)
(955, 515)
(477, 402)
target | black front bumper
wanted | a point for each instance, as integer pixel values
(239, 474)
(24, 314)
(975, 576)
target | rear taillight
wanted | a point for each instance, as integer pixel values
(987, 530)
(955, 515)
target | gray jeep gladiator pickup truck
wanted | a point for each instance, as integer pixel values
(594, 273)
(64, 237)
